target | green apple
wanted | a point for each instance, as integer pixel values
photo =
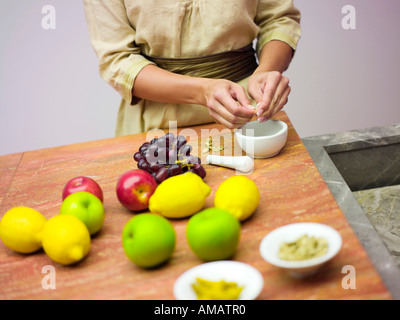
(213, 234)
(148, 240)
(87, 208)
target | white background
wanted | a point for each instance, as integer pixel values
(51, 93)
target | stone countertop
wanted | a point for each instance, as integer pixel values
(382, 207)
(345, 161)
(291, 190)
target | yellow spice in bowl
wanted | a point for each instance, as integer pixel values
(216, 290)
(303, 248)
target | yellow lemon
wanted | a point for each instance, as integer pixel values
(239, 195)
(66, 239)
(180, 196)
(21, 229)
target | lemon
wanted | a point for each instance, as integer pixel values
(180, 196)
(66, 239)
(21, 229)
(239, 195)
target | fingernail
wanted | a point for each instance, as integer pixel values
(252, 107)
(261, 119)
(259, 113)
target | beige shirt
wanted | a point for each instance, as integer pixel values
(121, 30)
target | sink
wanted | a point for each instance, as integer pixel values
(368, 167)
(362, 170)
(373, 175)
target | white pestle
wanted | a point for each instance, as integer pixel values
(240, 163)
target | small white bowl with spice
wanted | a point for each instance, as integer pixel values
(262, 140)
(301, 248)
(220, 274)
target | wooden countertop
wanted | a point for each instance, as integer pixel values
(292, 190)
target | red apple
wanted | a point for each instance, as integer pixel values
(80, 184)
(134, 189)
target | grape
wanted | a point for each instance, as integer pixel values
(185, 150)
(142, 149)
(140, 163)
(174, 169)
(153, 150)
(154, 167)
(192, 159)
(199, 170)
(168, 156)
(152, 153)
(197, 160)
(172, 156)
(172, 146)
(161, 175)
(137, 156)
(162, 156)
(162, 142)
(143, 164)
(180, 141)
(170, 138)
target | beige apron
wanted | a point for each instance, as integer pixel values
(144, 115)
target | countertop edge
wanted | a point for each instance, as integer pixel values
(377, 251)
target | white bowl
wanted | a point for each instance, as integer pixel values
(262, 140)
(241, 273)
(271, 243)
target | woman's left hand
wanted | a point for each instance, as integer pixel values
(270, 90)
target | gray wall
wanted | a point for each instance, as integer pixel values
(51, 93)
(346, 79)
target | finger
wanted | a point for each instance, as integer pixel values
(240, 95)
(228, 100)
(225, 117)
(255, 91)
(271, 83)
(281, 90)
(280, 104)
(283, 101)
(221, 120)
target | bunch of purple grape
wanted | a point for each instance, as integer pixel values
(168, 156)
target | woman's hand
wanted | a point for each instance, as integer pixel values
(270, 90)
(227, 102)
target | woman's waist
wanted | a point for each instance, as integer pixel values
(233, 65)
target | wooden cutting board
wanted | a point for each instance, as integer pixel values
(292, 190)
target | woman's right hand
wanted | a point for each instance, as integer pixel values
(227, 102)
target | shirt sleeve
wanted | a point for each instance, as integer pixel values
(113, 40)
(277, 20)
